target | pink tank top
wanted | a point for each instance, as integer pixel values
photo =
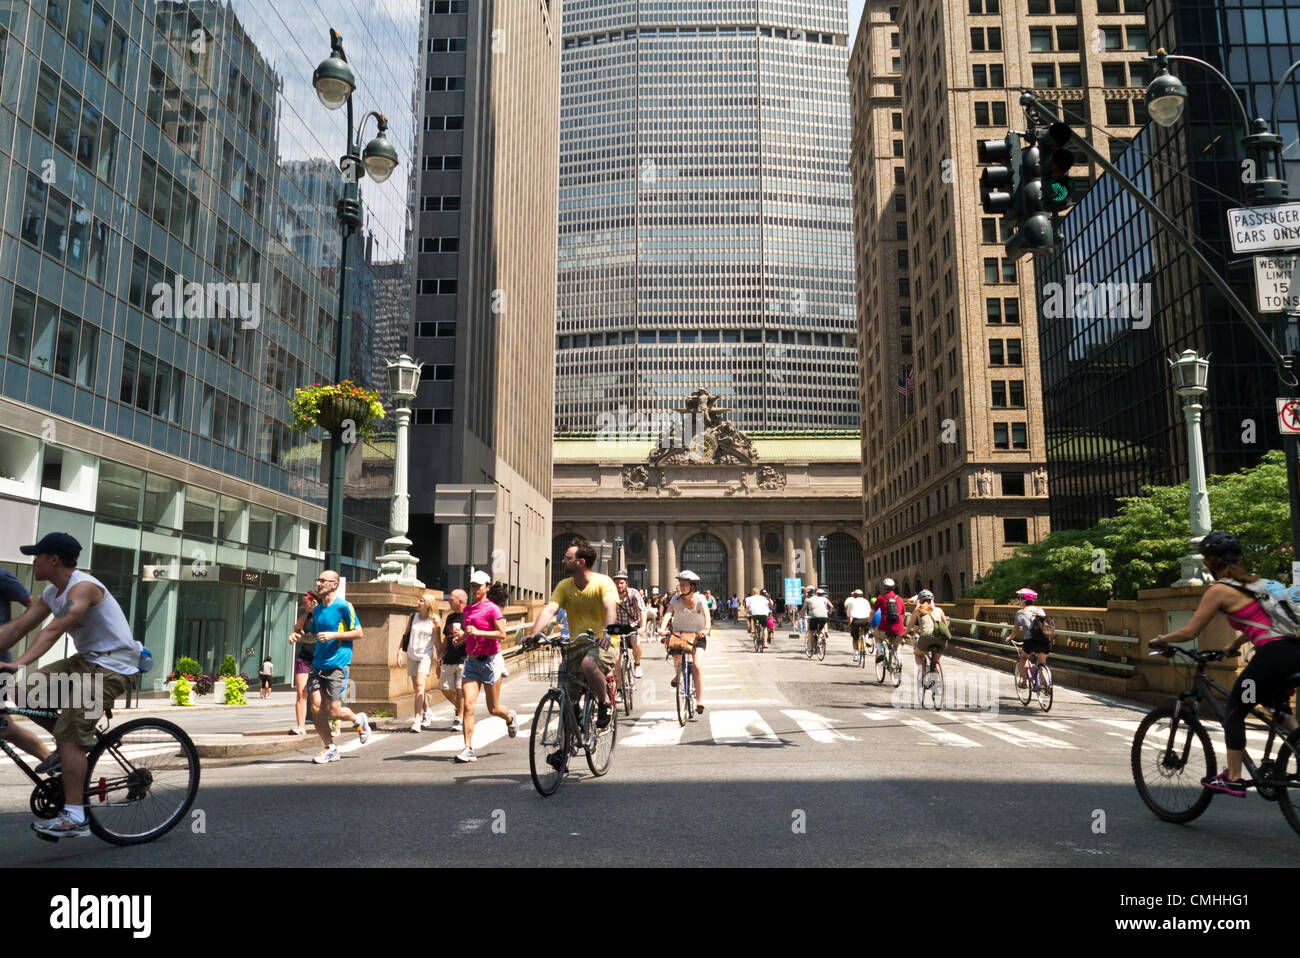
(1253, 622)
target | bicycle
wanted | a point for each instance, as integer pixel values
(627, 675)
(860, 644)
(686, 709)
(818, 645)
(558, 732)
(1038, 681)
(758, 634)
(888, 662)
(930, 680)
(1164, 750)
(144, 764)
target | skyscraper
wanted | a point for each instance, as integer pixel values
(705, 233)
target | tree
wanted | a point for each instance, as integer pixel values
(1139, 547)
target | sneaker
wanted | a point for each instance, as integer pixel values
(298, 730)
(61, 826)
(457, 725)
(699, 707)
(1221, 783)
(556, 760)
(466, 755)
(416, 723)
(856, 657)
(673, 683)
(330, 753)
(362, 727)
(512, 727)
(636, 672)
(334, 728)
(428, 718)
(49, 765)
(602, 721)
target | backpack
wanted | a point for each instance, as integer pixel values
(891, 610)
(1282, 604)
(1042, 629)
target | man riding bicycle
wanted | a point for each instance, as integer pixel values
(1033, 645)
(631, 612)
(106, 656)
(590, 602)
(891, 607)
(759, 609)
(819, 610)
(688, 612)
(857, 609)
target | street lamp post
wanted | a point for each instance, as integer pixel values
(397, 563)
(1191, 374)
(618, 553)
(821, 563)
(335, 82)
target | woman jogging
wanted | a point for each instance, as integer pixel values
(485, 628)
(1277, 657)
(417, 655)
(302, 662)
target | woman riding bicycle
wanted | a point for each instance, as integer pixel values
(688, 611)
(1038, 647)
(921, 625)
(1276, 659)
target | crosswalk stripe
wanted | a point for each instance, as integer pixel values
(818, 728)
(942, 736)
(876, 716)
(355, 744)
(1010, 734)
(1054, 726)
(740, 726)
(653, 728)
(485, 733)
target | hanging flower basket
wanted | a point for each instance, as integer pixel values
(330, 406)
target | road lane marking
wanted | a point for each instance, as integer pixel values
(1010, 734)
(485, 733)
(740, 727)
(878, 716)
(654, 728)
(819, 729)
(942, 736)
(356, 742)
(1054, 726)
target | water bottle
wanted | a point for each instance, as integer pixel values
(146, 659)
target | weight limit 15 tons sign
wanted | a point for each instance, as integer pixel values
(1276, 286)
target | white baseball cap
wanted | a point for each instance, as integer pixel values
(480, 578)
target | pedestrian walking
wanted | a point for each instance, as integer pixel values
(417, 654)
(451, 656)
(302, 660)
(485, 629)
(266, 673)
(334, 627)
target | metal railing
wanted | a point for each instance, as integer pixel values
(1093, 660)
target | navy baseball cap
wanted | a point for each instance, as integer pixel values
(56, 543)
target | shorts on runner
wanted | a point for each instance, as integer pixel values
(451, 678)
(332, 683)
(417, 665)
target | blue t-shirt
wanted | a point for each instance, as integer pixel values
(338, 616)
(11, 590)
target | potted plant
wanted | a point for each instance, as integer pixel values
(331, 405)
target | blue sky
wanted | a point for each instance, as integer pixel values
(855, 14)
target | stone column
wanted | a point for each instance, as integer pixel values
(787, 562)
(738, 561)
(670, 555)
(755, 555)
(654, 570)
(809, 556)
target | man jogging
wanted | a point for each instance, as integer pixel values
(334, 626)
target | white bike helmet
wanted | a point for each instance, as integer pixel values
(688, 575)
(889, 584)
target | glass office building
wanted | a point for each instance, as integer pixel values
(168, 276)
(1113, 420)
(705, 232)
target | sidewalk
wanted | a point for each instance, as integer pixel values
(155, 702)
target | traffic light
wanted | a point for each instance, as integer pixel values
(1057, 159)
(1000, 180)
(1034, 232)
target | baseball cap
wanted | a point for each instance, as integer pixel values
(55, 543)
(480, 578)
(821, 591)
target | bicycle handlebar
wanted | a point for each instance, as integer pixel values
(1200, 656)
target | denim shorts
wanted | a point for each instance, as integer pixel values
(484, 671)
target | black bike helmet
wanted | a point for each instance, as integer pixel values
(1224, 546)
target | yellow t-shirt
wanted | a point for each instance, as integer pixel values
(585, 608)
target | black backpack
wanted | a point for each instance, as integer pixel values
(891, 611)
(1042, 629)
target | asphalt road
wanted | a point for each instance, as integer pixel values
(794, 762)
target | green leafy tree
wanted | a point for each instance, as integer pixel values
(1139, 547)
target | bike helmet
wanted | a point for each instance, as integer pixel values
(925, 595)
(889, 584)
(1027, 595)
(688, 575)
(620, 574)
(1224, 546)
(857, 592)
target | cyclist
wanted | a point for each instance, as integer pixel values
(631, 612)
(857, 609)
(1277, 657)
(819, 611)
(892, 611)
(590, 603)
(106, 656)
(1024, 624)
(758, 607)
(921, 624)
(689, 612)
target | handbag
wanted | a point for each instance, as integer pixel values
(681, 641)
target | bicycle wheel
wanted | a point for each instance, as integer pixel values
(547, 743)
(895, 668)
(882, 665)
(821, 648)
(758, 641)
(629, 681)
(682, 714)
(1169, 779)
(936, 690)
(1023, 694)
(141, 779)
(599, 746)
(1044, 688)
(1286, 773)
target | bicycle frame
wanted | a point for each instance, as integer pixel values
(9, 750)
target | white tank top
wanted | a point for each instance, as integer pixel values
(421, 642)
(686, 619)
(102, 637)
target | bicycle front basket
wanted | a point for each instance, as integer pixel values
(544, 664)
